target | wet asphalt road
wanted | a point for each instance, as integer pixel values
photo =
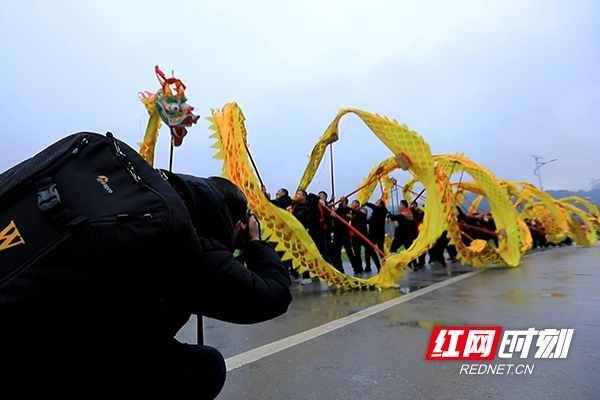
(383, 356)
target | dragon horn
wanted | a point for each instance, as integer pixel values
(180, 87)
(164, 82)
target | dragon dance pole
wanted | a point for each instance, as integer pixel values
(254, 165)
(464, 225)
(418, 196)
(171, 155)
(332, 179)
(467, 236)
(368, 183)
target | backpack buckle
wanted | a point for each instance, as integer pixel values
(48, 198)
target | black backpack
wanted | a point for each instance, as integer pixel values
(90, 235)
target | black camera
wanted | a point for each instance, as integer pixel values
(241, 238)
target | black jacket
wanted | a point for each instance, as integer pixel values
(310, 215)
(303, 212)
(406, 226)
(359, 220)
(127, 320)
(219, 286)
(341, 230)
(377, 219)
(282, 202)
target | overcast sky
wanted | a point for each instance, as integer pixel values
(494, 80)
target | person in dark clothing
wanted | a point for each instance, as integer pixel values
(309, 211)
(452, 252)
(245, 294)
(359, 222)
(478, 226)
(323, 196)
(377, 223)
(222, 225)
(341, 238)
(451, 248)
(327, 218)
(111, 347)
(418, 216)
(282, 200)
(537, 234)
(418, 213)
(489, 224)
(406, 227)
(463, 221)
(436, 253)
(406, 230)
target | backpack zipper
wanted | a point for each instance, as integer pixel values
(130, 168)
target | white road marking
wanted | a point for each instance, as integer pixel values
(280, 345)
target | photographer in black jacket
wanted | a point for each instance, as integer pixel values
(221, 287)
(112, 333)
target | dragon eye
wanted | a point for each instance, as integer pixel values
(174, 107)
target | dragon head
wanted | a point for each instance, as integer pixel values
(172, 107)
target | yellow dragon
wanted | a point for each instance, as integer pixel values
(413, 154)
(561, 218)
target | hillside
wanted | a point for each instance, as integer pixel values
(593, 196)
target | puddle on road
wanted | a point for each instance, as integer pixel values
(523, 297)
(399, 322)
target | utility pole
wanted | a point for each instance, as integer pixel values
(539, 164)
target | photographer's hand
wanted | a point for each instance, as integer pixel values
(253, 229)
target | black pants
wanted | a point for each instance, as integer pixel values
(378, 240)
(321, 241)
(336, 254)
(328, 240)
(406, 240)
(436, 253)
(421, 259)
(397, 242)
(371, 253)
(288, 264)
(401, 239)
(451, 249)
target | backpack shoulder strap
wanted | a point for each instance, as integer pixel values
(182, 189)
